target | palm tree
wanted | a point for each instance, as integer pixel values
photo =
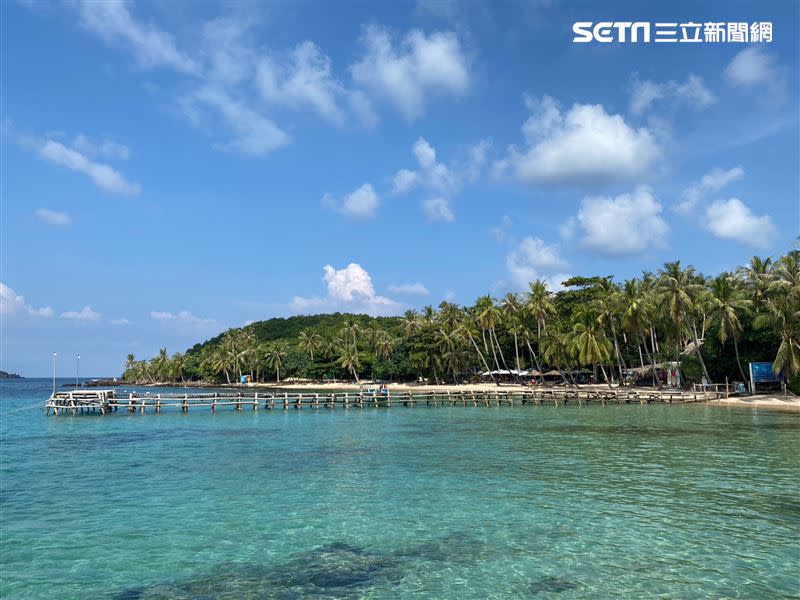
(130, 361)
(276, 352)
(489, 317)
(349, 333)
(468, 330)
(178, 364)
(512, 307)
(588, 340)
(540, 305)
(678, 288)
(555, 350)
(309, 342)
(634, 312)
(607, 301)
(349, 359)
(727, 300)
(219, 362)
(783, 317)
(757, 274)
(161, 364)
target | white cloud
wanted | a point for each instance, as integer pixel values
(445, 181)
(181, 317)
(348, 289)
(12, 304)
(712, 181)
(103, 176)
(585, 145)
(360, 204)
(101, 148)
(621, 226)
(52, 217)
(306, 81)
(85, 314)
(406, 74)
(733, 220)
(534, 259)
(752, 66)
(416, 289)
(122, 321)
(254, 134)
(404, 180)
(438, 209)
(692, 92)
(152, 47)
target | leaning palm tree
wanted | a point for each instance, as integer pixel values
(555, 350)
(728, 300)
(349, 359)
(276, 352)
(513, 309)
(608, 299)
(467, 329)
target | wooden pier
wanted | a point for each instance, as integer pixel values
(107, 401)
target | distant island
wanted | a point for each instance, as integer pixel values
(4, 375)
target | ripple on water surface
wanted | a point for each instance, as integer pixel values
(459, 502)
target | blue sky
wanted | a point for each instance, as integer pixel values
(173, 169)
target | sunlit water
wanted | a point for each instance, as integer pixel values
(460, 502)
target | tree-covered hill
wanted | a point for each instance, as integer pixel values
(615, 330)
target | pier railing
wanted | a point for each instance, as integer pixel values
(105, 401)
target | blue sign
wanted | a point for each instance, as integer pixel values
(761, 372)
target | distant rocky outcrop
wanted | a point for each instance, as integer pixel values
(4, 375)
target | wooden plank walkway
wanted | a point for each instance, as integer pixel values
(105, 401)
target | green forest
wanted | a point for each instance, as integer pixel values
(711, 326)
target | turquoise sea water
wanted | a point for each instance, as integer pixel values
(431, 502)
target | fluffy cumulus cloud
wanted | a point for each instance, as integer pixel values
(53, 217)
(442, 181)
(306, 81)
(360, 204)
(753, 66)
(712, 181)
(414, 289)
(85, 314)
(733, 220)
(535, 259)
(12, 304)
(584, 145)
(620, 226)
(349, 289)
(102, 175)
(693, 92)
(183, 317)
(406, 73)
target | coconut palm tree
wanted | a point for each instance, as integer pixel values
(607, 302)
(161, 365)
(633, 300)
(539, 304)
(130, 361)
(588, 340)
(679, 289)
(178, 364)
(309, 342)
(555, 349)
(728, 300)
(468, 330)
(757, 274)
(349, 359)
(513, 309)
(782, 315)
(276, 352)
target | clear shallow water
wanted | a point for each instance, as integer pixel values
(461, 502)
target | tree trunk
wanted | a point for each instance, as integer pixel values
(496, 341)
(652, 362)
(605, 376)
(516, 351)
(738, 360)
(536, 361)
(617, 351)
(483, 360)
(700, 354)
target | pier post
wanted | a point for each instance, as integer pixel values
(255, 401)
(285, 401)
(158, 404)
